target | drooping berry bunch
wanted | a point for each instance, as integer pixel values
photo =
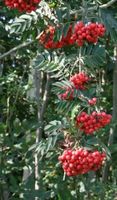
(79, 82)
(81, 161)
(22, 5)
(93, 122)
(80, 34)
(90, 32)
(47, 38)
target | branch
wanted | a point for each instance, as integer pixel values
(45, 96)
(106, 5)
(25, 44)
(41, 111)
(38, 77)
(38, 85)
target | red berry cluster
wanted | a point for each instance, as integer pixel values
(93, 122)
(92, 101)
(67, 95)
(47, 38)
(81, 161)
(23, 5)
(88, 32)
(82, 33)
(78, 82)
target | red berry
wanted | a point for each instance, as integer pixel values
(92, 101)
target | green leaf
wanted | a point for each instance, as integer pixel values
(50, 63)
(58, 34)
(53, 125)
(59, 15)
(65, 107)
(94, 56)
(110, 22)
(113, 148)
(65, 29)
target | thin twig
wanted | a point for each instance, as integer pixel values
(110, 3)
(25, 44)
(104, 6)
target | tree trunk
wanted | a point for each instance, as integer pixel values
(41, 104)
(112, 133)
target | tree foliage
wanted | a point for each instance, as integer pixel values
(31, 81)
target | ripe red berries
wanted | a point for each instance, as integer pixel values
(79, 82)
(68, 95)
(92, 101)
(47, 38)
(23, 5)
(80, 34)
(81, 161)
(93, 122)
(90, 32)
